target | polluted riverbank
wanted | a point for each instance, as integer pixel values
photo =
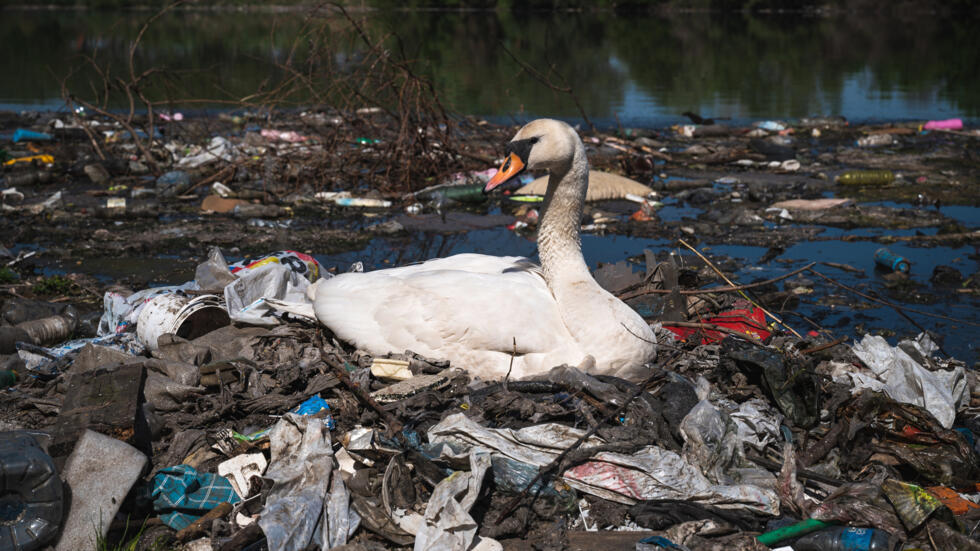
(745, 425)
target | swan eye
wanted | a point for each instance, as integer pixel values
(506, 165)
(534, 140)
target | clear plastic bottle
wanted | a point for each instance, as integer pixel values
(50, 330)
(846, 538)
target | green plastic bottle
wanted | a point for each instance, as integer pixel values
(7, 378)
(866, 177)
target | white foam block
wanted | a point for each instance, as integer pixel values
(100, 471)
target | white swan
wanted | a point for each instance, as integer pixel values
(469, 308)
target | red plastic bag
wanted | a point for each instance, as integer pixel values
(751, 321)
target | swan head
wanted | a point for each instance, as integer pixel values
(543, 144)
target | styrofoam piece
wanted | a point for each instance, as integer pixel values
(200, 544)
(387, 368)
(96, 497)
(241, 468)
(243, 520)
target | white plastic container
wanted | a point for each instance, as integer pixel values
(181, 315)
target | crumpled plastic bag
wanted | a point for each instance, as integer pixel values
(166, 394)
(269, 286)
(219, 148)
(710, 441)
(655, 473)
(651, 473)
(903, 379)
(305, 506)
(248, 296)
(120, 310)
(793, 389)
(213, 274)
(758, 423)
(447, 524)
(713, 440)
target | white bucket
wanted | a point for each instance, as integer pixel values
(181, 315)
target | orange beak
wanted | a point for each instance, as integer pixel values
(513, 165)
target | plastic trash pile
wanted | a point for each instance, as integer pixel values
(230, 421)
(217, 414)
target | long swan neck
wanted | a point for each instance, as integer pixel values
(559, 243)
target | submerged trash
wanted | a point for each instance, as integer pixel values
(891, 261)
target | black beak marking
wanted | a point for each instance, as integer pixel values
(522, 148)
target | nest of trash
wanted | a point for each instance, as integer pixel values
(230, 420)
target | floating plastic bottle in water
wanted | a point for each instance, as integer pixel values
(866, 177)
(891, 261)
(948, 124)
(466, 193)
(843, 538)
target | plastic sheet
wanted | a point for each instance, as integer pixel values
(214, 273)
(651, 473)
(301, 503)
(247, 296)
(447, 524)
(168, 395)
(218, 148)
(710, 440)
(898, 375)
(791, 387)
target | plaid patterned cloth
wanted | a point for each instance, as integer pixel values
(182, 495)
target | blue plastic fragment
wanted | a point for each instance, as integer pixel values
(661, 542)
(787, 434)
(314, 405)
(968, 434)
(22, 134)
(412, 439)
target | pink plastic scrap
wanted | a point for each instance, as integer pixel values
(948, 124)
(283, 135)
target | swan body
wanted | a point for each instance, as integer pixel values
(476, 310)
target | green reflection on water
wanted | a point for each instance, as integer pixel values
(640, 68)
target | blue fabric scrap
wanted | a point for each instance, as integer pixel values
(182, 495)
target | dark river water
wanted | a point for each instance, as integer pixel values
(642, 70)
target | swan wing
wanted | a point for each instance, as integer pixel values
(446, 307)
